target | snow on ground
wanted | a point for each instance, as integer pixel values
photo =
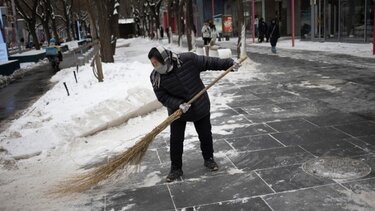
(30, 53)
(71, 44)
(354, 49)
(41, 147)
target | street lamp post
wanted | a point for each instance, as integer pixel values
(213, 8)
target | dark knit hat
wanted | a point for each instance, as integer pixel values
(154, 52)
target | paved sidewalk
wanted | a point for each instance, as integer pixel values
(293, 111)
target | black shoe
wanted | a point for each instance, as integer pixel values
(211, 164)
(174, 174)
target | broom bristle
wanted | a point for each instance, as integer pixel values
(132, 156)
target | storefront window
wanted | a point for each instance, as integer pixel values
(332, 20)
(369, 20)
(352, 22)
(305, 19)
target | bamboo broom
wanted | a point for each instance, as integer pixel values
(132, 156)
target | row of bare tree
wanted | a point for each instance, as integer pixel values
(55, 15)
(102, 17)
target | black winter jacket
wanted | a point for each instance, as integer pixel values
(183, 83)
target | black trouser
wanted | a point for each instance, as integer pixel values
(206, 40)
(203, 128)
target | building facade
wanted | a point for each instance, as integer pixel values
(316, 20)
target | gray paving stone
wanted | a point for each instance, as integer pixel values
(226, 117)
(324, 198)
(264, 88)
(240, 111)
(313, 93)
(364, 144)
(368, 139)
(138, 199)
(359, 129)
(312, 106)
(310, 136)
(194, 169)
(217, 189)
(339, 148)
(291, 178)
(192, 148)
(274, 95)
(144, 175)
(293, 124)
(251, 143)
(253, 102)
(335, 118)
(244, 130)
(251, 204)
(287, 99)
(270, 158)
(262, 109)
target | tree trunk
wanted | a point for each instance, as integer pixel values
(241, 18)
(46, 31)
(67, 19)
(93, 28)
(67, 25)
(104, 30)
(115, 32)
(54, 29)
(29, 13)
(35, 37)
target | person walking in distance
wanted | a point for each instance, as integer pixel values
(206, 33)
(274, 35)
(176, 80)
(262, 30)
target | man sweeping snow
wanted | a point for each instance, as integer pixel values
(176, 80)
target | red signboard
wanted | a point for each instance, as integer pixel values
(227, 24)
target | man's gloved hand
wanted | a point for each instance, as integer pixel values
(236, 66)
(184, 107)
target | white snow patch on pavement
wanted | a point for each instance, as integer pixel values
(354, 49)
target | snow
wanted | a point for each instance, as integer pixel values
(354, 49)
(30, 53)
(126, 21)
(71, 44)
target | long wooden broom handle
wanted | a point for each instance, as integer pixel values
(214, 82)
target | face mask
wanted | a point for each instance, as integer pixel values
(162, 68)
